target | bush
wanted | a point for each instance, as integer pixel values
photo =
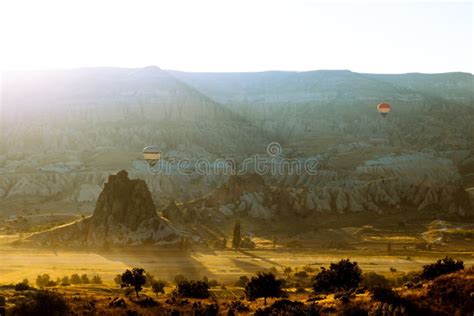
(65, 281)
(3, 301)
(96, 279)
(118, 279)
(211, 283)
(442, 266)
(242, 282)
(247, 243)
(309, 269)
(75, 279)
(385, 295)
(192, 289)
(345, 276)
(41, 303)
(150, 279)
(44, 281)
(452, 293)
(85, 279)
(263, 285)
(179, 278)
(372, 280)
(22, 287)
(301, 274)
(158, 287)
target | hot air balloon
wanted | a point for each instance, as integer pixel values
(151, 154)
(384, 109)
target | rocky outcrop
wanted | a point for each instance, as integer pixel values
(412, 182)
(124, 215)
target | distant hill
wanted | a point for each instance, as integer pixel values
(314, 110)
(328, 86)
(84, 109)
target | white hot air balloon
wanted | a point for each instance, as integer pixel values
(151, 154)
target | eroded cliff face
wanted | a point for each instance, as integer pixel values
(124, 215)
(391, 183)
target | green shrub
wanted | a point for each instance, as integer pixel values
(385, 295)
(372, 280)
(179, 278)
(84, 279)
(22, 287)
(344, 275)
(442, 266)
(263, 285)
(242, 282)
(96, 279)
(158, 287)
(41, 303)
(75, 279)
(192, 289)
(301, 274)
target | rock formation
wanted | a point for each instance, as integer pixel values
(415, 182)
(124, 215)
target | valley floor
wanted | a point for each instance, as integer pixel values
(225, 266)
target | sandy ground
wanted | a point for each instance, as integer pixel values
(225, 266)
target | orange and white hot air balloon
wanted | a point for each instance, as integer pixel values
(384, 108)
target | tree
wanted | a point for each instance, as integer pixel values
(192, 289)
(43, 280)
(263, 285)
(344, 275)
(118, 279)
(75, 279)
(242, 282)
(65, 281)
(135, 278)
(85, 279)
(442, 266)
(158, 287)
(236, 238)
(96, 279)
(150, 279)
(179, 278)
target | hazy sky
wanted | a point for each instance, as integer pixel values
(378, 37)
